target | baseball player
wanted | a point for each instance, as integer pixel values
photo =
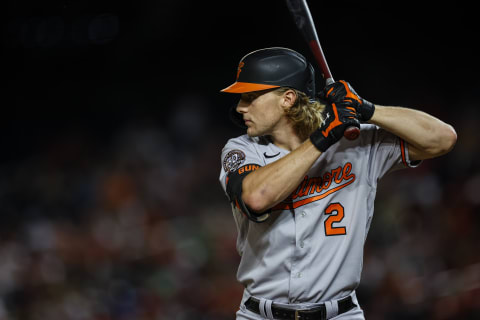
(302, 195)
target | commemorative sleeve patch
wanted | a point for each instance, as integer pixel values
(233, 160)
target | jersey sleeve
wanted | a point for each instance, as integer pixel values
(240, 158)
(387, 153)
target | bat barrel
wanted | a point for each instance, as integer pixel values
(317, 51)
(304, 21)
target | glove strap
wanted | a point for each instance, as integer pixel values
(319, 140)
(366, 110)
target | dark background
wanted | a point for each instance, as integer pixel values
(111, 131)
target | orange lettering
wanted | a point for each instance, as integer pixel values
(319, 185)
(308, 187)
(327, 180)
(313, 185)
(342, 176)
(293, 205)
(247, 168)
(296, 193)
(346, 171)
(337, 174)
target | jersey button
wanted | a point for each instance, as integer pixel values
(302, 244)
(304, 214)
(299, 275)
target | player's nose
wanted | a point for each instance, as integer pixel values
(242, 106)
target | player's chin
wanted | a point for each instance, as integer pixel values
(252, 132)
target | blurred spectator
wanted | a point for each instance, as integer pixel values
(130, 221)
(138, 228)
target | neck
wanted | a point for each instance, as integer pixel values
(286, 138)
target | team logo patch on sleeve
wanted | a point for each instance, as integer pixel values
(233, 160)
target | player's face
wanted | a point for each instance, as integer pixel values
(262, 112)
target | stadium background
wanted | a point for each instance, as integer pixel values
(111, 130)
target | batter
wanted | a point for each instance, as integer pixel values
(302, 195)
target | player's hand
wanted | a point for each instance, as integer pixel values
(337, 117)
(342, 91)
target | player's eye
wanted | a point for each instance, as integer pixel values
(249, 96)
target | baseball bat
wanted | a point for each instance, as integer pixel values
(304, 21)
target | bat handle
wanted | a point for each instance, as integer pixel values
(351, 133)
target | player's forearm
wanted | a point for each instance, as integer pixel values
(269, 185)
(428, 134)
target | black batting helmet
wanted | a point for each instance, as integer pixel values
(272, 68)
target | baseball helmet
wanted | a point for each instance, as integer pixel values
(272, 68)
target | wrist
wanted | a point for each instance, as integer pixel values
(377, 116)
(366, 111)
(319, 141)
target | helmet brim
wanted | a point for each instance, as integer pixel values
(242, 87)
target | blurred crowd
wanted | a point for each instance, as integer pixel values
(136, 226)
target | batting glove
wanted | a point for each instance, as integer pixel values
(342, 91)
(337, 117)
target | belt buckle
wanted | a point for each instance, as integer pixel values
(297, 316)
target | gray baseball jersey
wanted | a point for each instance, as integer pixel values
(309, 248)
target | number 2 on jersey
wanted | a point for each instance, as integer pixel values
(336, 213)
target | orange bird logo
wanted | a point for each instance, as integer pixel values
(240, 66)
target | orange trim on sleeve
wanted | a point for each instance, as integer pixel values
(402, 148)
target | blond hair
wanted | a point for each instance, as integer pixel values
(305, 114)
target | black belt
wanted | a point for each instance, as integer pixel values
(315, 313)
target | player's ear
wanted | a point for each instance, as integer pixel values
(288, 99)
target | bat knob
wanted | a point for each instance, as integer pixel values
(351, 133)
